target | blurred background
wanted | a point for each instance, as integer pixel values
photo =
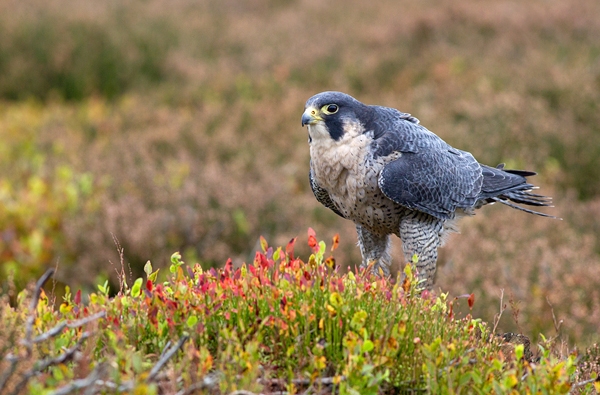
(162, 126)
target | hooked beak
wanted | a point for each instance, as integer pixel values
(310, 116)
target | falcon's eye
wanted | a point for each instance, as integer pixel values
(330, 109)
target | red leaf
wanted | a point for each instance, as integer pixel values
(471, 300)
(149, 285)
(152, 313)
(257, 259)
(336, 242)
(227, 268)
(312, 240)
(289, 249)
(261, 260)
(77, 298)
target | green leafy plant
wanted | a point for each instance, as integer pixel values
(276, 324)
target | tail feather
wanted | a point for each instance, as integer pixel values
(531, 199)
(509, 204)
(522, 173)
(509, 187)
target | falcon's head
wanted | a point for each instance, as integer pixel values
(332, 114)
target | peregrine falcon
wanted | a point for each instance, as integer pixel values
(381, 169)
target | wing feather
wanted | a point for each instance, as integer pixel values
(434, 182)
(430, 175)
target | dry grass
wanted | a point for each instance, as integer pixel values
(190, 128)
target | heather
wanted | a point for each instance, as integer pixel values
(277, 325)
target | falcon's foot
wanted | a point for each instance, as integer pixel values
(375, 250)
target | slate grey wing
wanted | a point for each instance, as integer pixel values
(321, 194)
(435, 181)
(395, 131)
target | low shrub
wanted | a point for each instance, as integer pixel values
(276, 324)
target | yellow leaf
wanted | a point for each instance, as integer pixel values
(332, 311)
(336, 299)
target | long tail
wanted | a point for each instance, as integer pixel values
(508, 186)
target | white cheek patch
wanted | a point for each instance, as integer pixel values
(318, 131)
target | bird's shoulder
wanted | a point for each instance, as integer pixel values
(397, 131)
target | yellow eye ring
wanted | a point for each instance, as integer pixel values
(330, 109)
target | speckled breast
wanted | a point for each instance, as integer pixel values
(349, 173)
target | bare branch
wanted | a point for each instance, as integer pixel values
(93, 378)
(62, 325)
(8, 372)
(165, 348)
(87, 383)
(121, 275)
(52, 291)
(33, 307)
(557, 324)
(208, 381)
(44, 364)
(125, 387)
(166, 355)
(499, 315)
(514, 306)
(581, 384)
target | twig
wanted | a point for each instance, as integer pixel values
(208, 381)
(33, 307)
(558, 324)
(514, 306)
(128, 385)
(87, 383)
(44, 364)
(581, 384)
(52, 293)
(62, 325)
(166, 355)
(62, 358)
(165, 348)
(499, 315)
(9, 372)
(121, 275)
